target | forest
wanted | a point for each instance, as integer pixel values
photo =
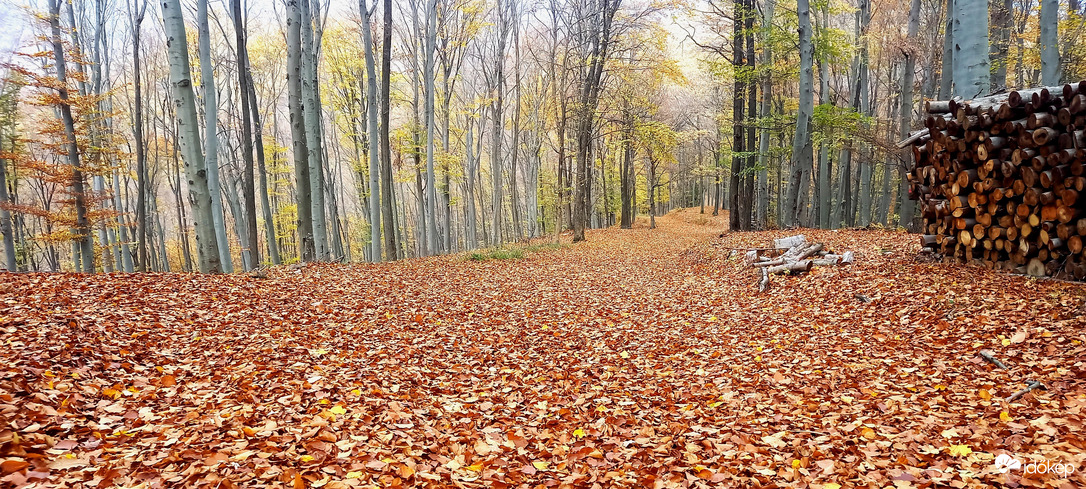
(554, 244)
(178, 137)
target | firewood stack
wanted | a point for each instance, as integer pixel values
(999, 180)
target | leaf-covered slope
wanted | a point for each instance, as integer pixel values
(637, 359)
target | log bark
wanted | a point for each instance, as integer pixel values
(795, 267)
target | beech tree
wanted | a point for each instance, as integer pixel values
(184, 98)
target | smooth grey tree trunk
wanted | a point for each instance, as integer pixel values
(311, 115)
(802, 149)
(416, 135)
(863, 17)
(188, 131)
(762, 185)
(10, 260)
(432, 238)
(1049, 40)
(211, 136)
(825, 175)
(374, 140)
(971, 65)
(1002, 16)
(946, 79)
(471, 239)
(392, 251)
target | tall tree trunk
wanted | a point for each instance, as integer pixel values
(179, 203)
(766, 108)
(502, 24)
(735, 214)
(599, 18)
(10, 260)
(650, 184)
(824, 185)
(627, 183)
(908, 206)
(211, 137)
(430, 221)
(262, 173)
(752, 115)
(1001, 19)
(446, 188)
(249, 185)
(471, 238)
(391, 247)
(863, 17)
(971, 65)
(137, 126)
(189, 137)
(802, 149)
(1049, 41)
(299, 141)
(83, 243)
(416, 153)
(311, 108)
(946, 80)
(374, 139)
(514, 198)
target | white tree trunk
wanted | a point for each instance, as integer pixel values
(188, 130)
(1050, 49)
(972, 77)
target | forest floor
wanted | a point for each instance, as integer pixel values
(640, 358)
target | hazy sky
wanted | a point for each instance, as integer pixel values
(12, 28)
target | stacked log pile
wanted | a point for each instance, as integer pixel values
(1000, 180)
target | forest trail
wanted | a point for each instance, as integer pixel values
(640, 358)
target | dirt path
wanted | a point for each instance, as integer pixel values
(640, 358)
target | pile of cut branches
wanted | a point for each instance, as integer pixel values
(792, 255)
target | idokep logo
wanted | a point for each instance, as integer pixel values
(1005, 463)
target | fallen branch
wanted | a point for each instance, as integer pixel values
(1030, 385)
(987, 355)
(764, 284)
